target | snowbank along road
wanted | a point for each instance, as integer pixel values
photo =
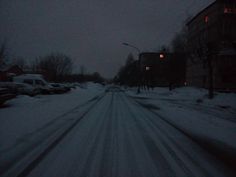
(111, 135)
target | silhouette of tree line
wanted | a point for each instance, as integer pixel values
(55, 67)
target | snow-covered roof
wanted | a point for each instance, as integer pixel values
(30, 76)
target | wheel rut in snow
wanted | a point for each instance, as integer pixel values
(118, 137)
(216, 149)
(43, 147)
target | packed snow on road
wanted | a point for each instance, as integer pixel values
(109, 131)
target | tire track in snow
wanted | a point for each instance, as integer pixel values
(162, 137)
(97, 146)
(93, 157)
(132, 167)
(87, 139)
(103, 160)
(154, 149)
(48, 125)
(45, 147)
(153, 119)
(123, 139)
(145, 163)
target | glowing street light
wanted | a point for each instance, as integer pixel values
(162, 56)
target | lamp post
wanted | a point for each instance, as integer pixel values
(136, 48)
(139, 51)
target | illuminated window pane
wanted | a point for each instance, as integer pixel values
(206, 19)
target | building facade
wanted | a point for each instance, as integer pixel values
(162, 69)
(211, 42)
(7, 73)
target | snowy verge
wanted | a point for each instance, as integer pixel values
(189, 109)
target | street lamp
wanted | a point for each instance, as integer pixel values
(136, 48)
(161, 56)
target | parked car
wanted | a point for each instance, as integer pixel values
(59, 88)
(10, 86)
(20, 88)
(71, 85)
(27, 89)
(36, 81)
(5, 95)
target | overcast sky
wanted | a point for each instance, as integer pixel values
(92, 31)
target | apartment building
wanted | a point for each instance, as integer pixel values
(212, 34)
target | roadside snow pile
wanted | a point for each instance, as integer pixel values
(188, 95)
(200, 96)
(223, 100)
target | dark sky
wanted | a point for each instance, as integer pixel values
(91, 31)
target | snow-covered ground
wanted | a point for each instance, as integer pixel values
(212, 121)
(24, 114)
(99, 131)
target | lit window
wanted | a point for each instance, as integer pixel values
(228, 10)
(147, 68)
(225, 10)
(206, 19)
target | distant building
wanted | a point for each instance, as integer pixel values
(6, 73)
(213, 32)
(162, 69)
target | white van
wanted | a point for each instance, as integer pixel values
(34, 80)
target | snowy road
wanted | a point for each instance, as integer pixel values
(112, 135)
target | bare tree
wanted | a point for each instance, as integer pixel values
(20, 62)
(34, 66)
(130, 59)
(54, 66)
(204, 52)
(179, 42)
(163, 48)
(82, 70)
